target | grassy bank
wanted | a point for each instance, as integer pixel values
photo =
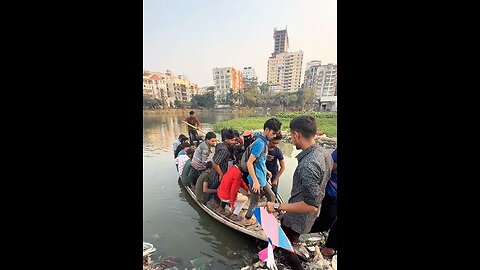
(326, 122)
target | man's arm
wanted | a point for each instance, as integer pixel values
(204, 153)
(298, 207)
(311, 192)
(257, 149)
(206, 189)
(197, 123)
(218, 170)
(276, 181)
(234, 191)
(251, 171)
(220, 155)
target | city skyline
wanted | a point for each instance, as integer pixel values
(193, 37)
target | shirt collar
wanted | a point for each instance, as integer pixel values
(307, 151)
(263, 138)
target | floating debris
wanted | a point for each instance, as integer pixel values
(199, 263)
(148, 249)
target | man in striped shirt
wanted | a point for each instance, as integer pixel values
(223, 153)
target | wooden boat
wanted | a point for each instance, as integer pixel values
(253, 230)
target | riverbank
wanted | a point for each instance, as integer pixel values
(326, 122)
(185, 111)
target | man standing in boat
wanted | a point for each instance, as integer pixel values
(192, 128)
(257, 168)
(308, 188)
(274, 157)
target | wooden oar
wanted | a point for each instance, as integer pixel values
(194, 127)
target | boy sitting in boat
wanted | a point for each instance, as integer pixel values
(228, 191)
(203, 183)
(184, 164)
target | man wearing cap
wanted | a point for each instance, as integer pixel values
(247, 138)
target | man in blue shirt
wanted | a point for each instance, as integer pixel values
(257, 168)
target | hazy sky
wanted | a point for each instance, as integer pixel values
(191, 37)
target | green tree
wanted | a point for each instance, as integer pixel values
(264, 88)
(292, 99)
(181, 103)
(281, 99)
(203, 101)
(250, 85)
(249, 99)
(265, 95)
(306, 98)
(151, 104)
(229, 98)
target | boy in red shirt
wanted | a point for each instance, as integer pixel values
(228, 191)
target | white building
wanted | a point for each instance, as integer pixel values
(168, 87)
(249, 73)
(159, 87)
(285, 70)
(321, 78)
(328, 103)
(225, 79)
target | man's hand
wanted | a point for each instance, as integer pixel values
(275, 182)
(256, 187)
(269, 174)
(269, 207)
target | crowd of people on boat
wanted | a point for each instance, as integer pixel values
(216, 170)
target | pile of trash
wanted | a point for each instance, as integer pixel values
(168, 263)
(308, 250)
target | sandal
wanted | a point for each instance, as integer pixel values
(328, 252)
(250, 221)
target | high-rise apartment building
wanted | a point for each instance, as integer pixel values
(285, 70)
(321, 78)
(280, 38)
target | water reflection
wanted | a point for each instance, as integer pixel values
(241, 248)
